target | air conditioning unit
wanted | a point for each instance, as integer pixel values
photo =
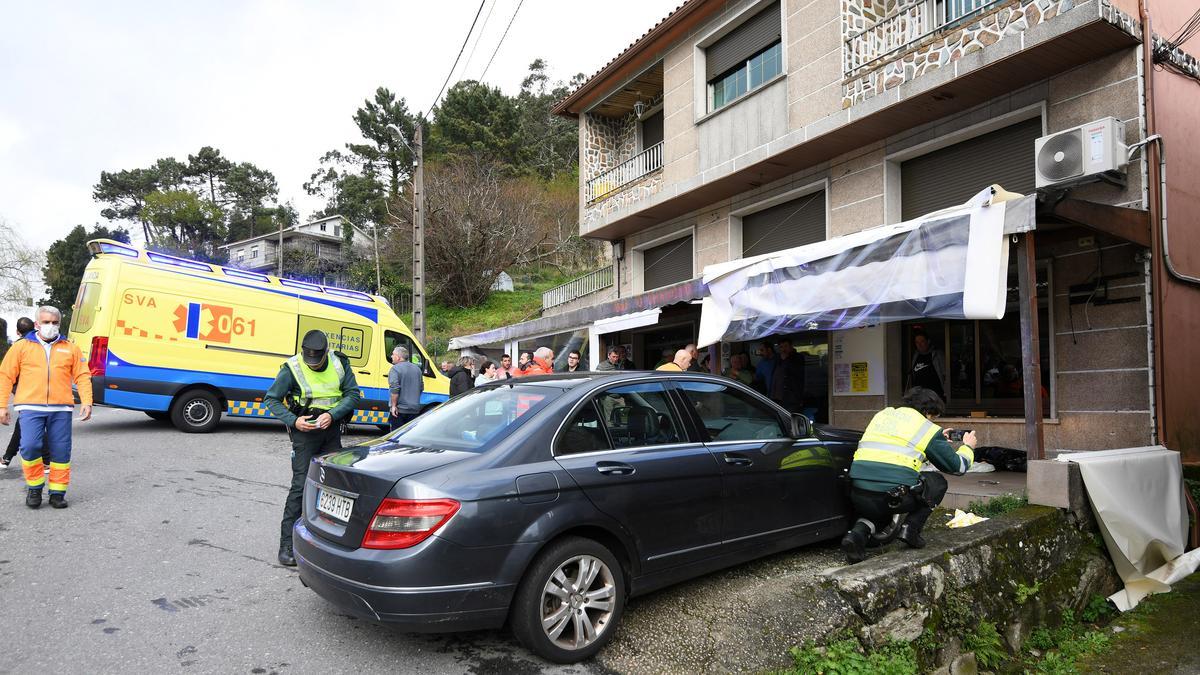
(1090, 152)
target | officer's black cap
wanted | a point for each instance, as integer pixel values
(313, 348)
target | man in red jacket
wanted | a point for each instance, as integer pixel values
(541, 364)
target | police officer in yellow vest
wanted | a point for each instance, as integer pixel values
(886, 476)
(313, 392)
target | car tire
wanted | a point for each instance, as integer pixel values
(573, 585)
(158, 415)
(196, 411)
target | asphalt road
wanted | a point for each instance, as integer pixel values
(165, 561)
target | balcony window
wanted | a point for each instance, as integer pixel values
(745, 58)
(253, 252)
(952, 10)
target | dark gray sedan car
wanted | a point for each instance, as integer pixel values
(546, 502)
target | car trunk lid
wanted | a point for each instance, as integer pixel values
(345, 488)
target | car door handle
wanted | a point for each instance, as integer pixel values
(614, 469)
(735, 459)
(364, 372)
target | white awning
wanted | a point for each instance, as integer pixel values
(648, 317)
(952, 264)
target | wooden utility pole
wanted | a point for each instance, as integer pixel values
(1031, 359)
(418, 324)
(279, 251)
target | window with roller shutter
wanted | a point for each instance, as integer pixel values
(793, 223)
(954, 174)
(667, 264)
(746, 58)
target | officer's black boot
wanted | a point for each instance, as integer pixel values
(910, 531)
(286, 557)
(33, 498)
(58, 500)
(854, 544)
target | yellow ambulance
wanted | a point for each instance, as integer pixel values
(189, 341)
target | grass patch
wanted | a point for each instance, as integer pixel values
(846, 657)
(500, 309)
(998, 506)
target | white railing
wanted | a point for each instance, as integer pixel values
(645, 162)
(577, 288)
(908, 23)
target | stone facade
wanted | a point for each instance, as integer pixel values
(866, 35)
(621, 198)
(607, 142)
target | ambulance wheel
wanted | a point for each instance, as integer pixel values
(196, 411)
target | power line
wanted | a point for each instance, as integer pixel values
(460, 53)
(479, 37)
(497, 49)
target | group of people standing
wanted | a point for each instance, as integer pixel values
(469, 372)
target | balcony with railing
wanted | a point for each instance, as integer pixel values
(904, 24)
(596, 280)
(631, 170)
(890, 42)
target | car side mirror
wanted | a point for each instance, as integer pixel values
(801, 427)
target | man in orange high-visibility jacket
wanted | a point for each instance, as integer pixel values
(45, 365)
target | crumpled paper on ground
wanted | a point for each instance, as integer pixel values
(964, 519)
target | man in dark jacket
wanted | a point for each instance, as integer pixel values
(886, 476)
(787, 378)
(461, 378)
(24, 327)
(314, 391)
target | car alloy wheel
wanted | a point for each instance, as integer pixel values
(570, 601)
(578, 602)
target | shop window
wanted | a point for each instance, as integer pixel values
(980, 361)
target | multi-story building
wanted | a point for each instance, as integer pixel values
(739, 128)
(318, 240)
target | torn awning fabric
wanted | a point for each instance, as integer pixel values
(952, 264)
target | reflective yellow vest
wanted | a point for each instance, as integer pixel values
(896, 436)
(321, 389)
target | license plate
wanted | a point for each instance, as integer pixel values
(335, 506)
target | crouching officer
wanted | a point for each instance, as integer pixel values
(886, 476)
(313, 392)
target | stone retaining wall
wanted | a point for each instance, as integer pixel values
(745, 619)
(1018, 572)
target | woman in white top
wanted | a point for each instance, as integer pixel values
(487, 374)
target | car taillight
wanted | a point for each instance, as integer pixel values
(98, 358)
(401, 523)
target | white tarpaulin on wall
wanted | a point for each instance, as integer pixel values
(1137, 496)
(952, 264)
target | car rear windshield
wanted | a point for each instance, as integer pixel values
(478, 419)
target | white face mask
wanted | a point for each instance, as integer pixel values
(47, 331)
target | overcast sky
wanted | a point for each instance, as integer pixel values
(87, 87)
